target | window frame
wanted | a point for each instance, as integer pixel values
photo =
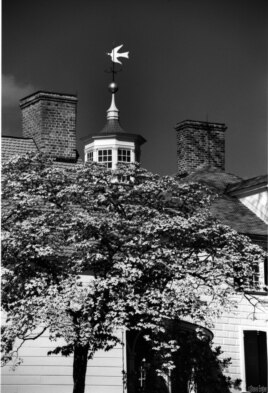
(124, 153)
(106, 158)
(260, 279)
(90, 156)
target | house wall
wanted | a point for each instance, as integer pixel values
(228, 333)
(53, 374)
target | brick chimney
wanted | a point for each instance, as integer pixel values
(50, 119)
(200, 143)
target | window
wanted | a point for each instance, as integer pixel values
(255, 351)
(257, 283)
(105, 156)
(265, 268)
(123, 155)
(260, 277)
(90, 156)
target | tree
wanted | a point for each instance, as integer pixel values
(149, 243)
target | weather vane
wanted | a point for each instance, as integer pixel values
(115, 54)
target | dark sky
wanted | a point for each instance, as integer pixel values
(189, 59)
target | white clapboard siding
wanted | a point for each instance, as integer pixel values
(60, 389)
(116, 352)
(228, 333)
(58, 379)
(40, 373)
(68, 361)
(64, 370)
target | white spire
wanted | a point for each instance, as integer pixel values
(113, 112)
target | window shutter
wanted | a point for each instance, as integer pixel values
(255, 347)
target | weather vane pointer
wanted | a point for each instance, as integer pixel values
(115, 54)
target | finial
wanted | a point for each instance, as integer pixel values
(113, 87)
(113, 112)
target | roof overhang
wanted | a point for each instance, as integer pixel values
(138, 139)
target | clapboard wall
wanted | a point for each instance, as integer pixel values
(53, 374)
(229, 331)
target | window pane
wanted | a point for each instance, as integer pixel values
(123, 155)
(105, 155)
(90, 156)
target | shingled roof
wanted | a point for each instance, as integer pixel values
(230, 211)
(227, 208)
(248, 184)
(112, 127)
(15, 145)
(212, 177)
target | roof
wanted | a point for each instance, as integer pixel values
(227, 208)
(212, 177)
(230, 211)
(12, 145)
(15, 145)
(112, 127)
(248, 184)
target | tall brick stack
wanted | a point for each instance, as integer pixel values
(50, 119)
(200, 144)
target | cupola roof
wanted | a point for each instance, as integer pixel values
(112, 125)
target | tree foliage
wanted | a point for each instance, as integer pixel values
(149, 243)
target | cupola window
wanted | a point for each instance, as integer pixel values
(105, 156)
(123, 155)
(90, 156)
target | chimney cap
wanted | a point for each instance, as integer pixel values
(200, 125)
(48, 96)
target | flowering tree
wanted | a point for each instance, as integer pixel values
(153, 251)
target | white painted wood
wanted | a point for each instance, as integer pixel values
(40, 373)
(68, 361)
(258, 204)
(60, 389)
(101, 380)
(64, 389)
(63, 370)
(24, 351)
(114, 145)
(228, 333)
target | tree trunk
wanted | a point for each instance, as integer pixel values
(80, 368)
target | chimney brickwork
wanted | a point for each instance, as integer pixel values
(50, 119)
(200, 144)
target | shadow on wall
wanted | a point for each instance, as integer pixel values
(198, 367)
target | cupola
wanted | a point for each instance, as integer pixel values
(113, 145)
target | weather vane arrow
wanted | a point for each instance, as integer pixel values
(115, 54)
